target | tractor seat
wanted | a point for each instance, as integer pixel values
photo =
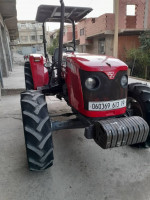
(56, 54)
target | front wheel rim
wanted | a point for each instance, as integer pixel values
(134, 106)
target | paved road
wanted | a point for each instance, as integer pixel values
(81, 170)
(133, 80)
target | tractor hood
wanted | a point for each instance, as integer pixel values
(89, 62)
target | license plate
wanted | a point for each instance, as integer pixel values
(107, 105)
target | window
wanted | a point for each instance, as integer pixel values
(131, 10)
(39, 25)
(41, 37)
(81, 31)
(93, 20)
(33, 37)
(102, 46)
(30, 26)
(23, 26)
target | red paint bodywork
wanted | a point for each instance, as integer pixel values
(72, 63)
(39, 72)
(93, 63)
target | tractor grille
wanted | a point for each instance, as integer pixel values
(110, 89)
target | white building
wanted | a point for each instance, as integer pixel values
(30, 37)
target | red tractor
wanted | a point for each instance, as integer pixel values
(96, 88)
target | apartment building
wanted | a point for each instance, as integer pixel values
(30, 37)
(96, 35)
(8, 33)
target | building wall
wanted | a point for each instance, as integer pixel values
(31, 37)
(30, 32)
(5, 52)
(140, 11)
(126, 43)
(93, 48)
(99, 25)
(80, 26)
(67, 34)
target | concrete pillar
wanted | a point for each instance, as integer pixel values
(115, 47)
(1, 77)
(3, 59)
(146, 14)
(7, 48)
(1, 80)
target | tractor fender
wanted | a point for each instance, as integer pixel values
(40, 73)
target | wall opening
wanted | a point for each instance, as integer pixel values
(131, 10)
(131, 16)
(101, 46)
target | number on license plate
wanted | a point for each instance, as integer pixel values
(107, 105)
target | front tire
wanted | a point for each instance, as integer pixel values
(37, 130)
(138, 104)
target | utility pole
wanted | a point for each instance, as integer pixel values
(146, 13)
(116, 12)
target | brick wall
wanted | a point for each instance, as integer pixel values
(100, 24)
(82, 25)
(131, 22)
(140, 11)
(68, 34)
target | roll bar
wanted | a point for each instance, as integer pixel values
(61, 40)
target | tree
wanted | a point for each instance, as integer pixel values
(145, 41)
(139, 59)
(54, 45)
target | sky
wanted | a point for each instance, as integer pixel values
(26, 9)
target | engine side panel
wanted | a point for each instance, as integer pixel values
(73, 82)
(39, 72)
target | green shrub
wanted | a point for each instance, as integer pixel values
(139, 59)
(54, 44)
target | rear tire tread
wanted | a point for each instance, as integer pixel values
(141, 93)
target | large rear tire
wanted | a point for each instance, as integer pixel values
(138, 104)
(28, 76)
(37, 130)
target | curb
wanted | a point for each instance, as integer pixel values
(140, 79)
(5, 92)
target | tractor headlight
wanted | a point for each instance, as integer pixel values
(92, 83)
(124, 81)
